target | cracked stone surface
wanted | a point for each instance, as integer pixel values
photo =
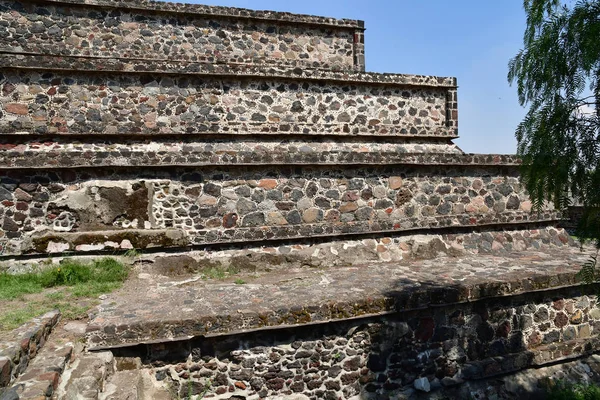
(152, 308)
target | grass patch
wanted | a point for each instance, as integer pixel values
(72, 287)
(101, 273)
(14, 286)
(219, 273)
(565, 391)
(13, 319)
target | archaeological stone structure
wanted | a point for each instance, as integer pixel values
(385, 259)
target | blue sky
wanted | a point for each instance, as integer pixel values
(472, 40)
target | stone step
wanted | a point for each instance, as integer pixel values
(41, 378)
(86, 376)
(203, 69)
(177, 32)
(154, 309)
(209, 153)
(439, 348)
(18, 348)
(139, 384)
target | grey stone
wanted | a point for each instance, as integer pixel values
(364, 213)
(10, 394)
(513, 203)
(253, 219)
(422, 384)
(245, 206)
(212, 189)
(294, 217)
(5, 194)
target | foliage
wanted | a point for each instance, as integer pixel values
(564, 391)
(558, 77)
(71, 287)
(219, 272)
(100, 273)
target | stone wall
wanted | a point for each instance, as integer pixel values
(377, 358)
(73, 103)
(206, 34)
(156, 125)
(53, 211)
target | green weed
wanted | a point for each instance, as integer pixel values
(219, 273)
(15, 318)
(99, 274)
(74, 286)
(566, 391)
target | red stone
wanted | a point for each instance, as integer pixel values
(230, 220)
(52, 377)
(8, 89)
(240, 385)
(503, 329)
(535, 339)
(559, 304)
(268, 183)
(16, 108)
(561, 320)
(350, 196)
(221, 390)
(424, 331)
(4, 372)
(22, 206)
(51, 91)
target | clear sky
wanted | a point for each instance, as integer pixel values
(472, 40)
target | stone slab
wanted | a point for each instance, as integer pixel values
(37, 62)
(153, 308)
(60, 155)
(200, 9)
(20, 346)
(41, 378)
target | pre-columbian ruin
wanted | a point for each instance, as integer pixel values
(360, 253)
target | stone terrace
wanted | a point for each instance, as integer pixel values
(178, 309)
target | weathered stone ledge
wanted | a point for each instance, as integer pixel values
(582, 346)
(124, 239)
(242, 129)
(204, 10)
(53, 155)
(330, 252)
(171, 310)
(10, 59)
(20, 346)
